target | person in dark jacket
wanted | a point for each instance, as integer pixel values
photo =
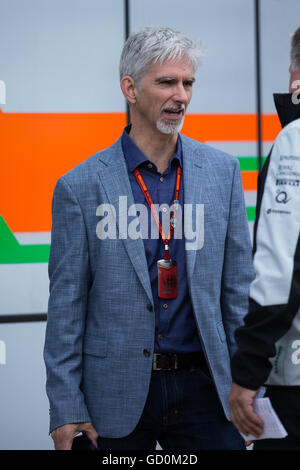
(269, 340)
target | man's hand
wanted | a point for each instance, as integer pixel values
(241, 411)
(64, 435)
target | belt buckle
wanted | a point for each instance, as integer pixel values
(176, 361)
(154, 365)
(155, 359)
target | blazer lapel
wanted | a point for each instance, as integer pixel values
(195, 179)
(115, 180)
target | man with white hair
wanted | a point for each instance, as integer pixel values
(140, 322)
(269, 341)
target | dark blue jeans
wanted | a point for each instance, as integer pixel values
(182, 411)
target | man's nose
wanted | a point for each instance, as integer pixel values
(181, 95)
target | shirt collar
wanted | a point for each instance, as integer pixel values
(134, 156)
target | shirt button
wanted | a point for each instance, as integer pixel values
(165, 305)
(146, 353)
(161, 179)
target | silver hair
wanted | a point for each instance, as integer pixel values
(151, 45)
(295, 50)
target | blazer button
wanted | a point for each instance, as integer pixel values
(149, 307)
(146, 353)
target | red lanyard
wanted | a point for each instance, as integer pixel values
(153, 209)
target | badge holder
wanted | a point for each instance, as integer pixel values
(167, 277)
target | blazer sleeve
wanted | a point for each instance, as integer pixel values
(69, 275)
(237, 266)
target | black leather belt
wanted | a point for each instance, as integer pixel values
(170, 361)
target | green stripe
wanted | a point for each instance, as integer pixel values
(25, 254)
(12, 252)
(250, 163)
(251, 213)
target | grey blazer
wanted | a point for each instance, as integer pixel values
(100, 328)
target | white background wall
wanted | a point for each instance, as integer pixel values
(62, 56)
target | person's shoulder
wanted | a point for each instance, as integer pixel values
(295, 124)
(293, 128)
(287, 140)
(208, 153)
(87, 170)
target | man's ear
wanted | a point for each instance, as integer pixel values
(128, 88)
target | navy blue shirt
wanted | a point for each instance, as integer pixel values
(175, 326)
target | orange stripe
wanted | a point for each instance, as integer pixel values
(226, 127)
(270, 127)
(249, 180)
(37, 148)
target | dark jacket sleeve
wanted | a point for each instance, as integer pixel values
(269, 319)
